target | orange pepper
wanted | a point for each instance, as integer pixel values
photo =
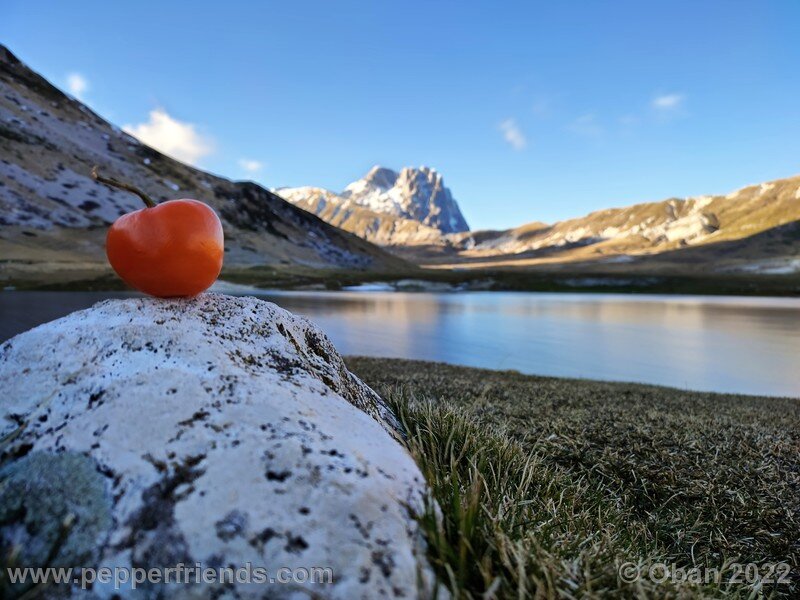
(171, 249)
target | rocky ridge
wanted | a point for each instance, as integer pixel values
(752, 227)
(386, 207)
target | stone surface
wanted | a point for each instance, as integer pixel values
(218, 430)
(43, 498)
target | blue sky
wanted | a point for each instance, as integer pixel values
(530, 110)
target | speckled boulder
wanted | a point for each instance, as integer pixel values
(218, 430)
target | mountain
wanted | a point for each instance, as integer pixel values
(53, 216)
(414, 214)
(744, 222)
(418, 194)
(379, 228)
(386, 207)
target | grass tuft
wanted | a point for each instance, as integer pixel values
(542, 500)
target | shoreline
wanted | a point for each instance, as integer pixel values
(608, 385)
(566, 279)
(588, 383)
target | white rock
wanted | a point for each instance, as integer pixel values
(227, 431)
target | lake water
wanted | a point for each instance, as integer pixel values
(744, 345)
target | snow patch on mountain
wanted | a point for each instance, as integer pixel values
(387, 207)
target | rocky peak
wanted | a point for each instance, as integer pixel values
(418, 194)
(380, 177)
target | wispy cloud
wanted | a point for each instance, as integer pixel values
(250, 165)
(513, 135)
(668, 102)
(586, 125)
(77, 85)
(173, 137)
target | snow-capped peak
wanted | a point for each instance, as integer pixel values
(414, 193)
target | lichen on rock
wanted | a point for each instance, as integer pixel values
(55, 511)
(218, 430)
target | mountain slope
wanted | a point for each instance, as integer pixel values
(52, 212)
(755, 217)
(379, 228)
(386, 207)
(389, 209)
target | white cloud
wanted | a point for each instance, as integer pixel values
(586, 125)
(668, 102)
(170, 136)
(249, 165)
(513, 134)
(77, 84)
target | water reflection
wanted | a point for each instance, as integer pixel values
(746, 345)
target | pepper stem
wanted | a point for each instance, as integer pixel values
(123, 186)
